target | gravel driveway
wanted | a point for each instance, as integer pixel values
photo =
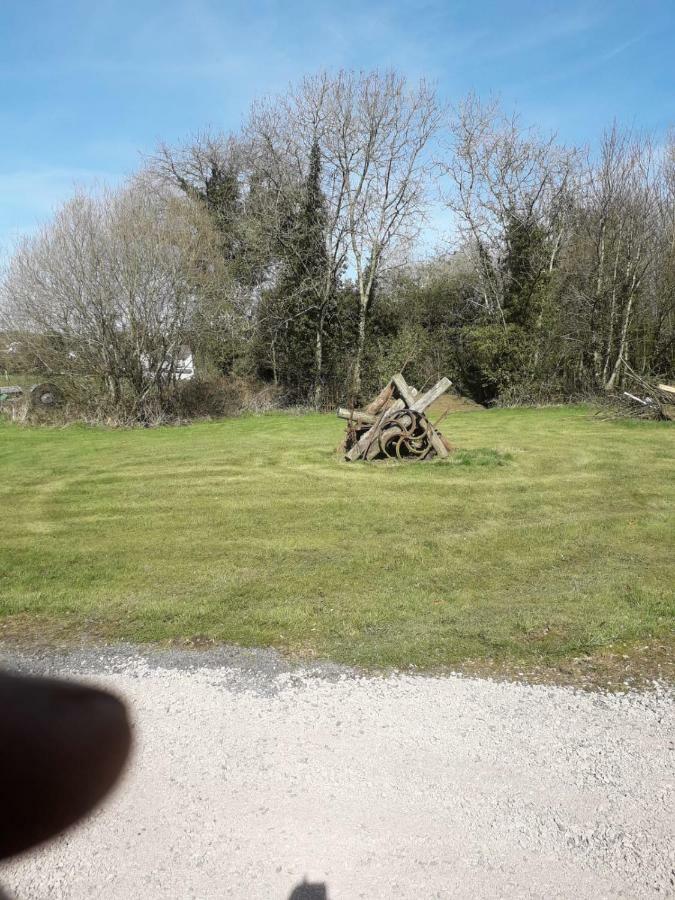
(250, 776)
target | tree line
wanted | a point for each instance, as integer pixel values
(295, 252)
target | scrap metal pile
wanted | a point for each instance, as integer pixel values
(394, 425)
(42, 396)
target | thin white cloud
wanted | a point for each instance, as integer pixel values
(501, 42)
(620, 48)
(590, 62)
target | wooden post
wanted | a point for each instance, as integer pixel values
(376, 405)
(404, 391)
(421, 403)
(365, 439)
(356, 415)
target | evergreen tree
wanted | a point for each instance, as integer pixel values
(306, 260)
(222, 198)
(304, 289)
(523, 269)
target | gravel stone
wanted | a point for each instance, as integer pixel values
(250, 775)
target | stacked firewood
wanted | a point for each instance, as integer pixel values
(394, 425)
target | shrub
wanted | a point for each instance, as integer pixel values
(493, 359)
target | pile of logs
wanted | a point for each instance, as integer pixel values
(394, 425)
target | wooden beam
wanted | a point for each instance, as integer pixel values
(366, 439)
(404, 391)
(356, 415)
(377, 405)
(667, 388)
(421, 403)
(12, 390)
(437, 442)
(637, 399)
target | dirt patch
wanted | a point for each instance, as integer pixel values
(616, 669)
(452, 403)
(624, 668)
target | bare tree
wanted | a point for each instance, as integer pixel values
(614, 249)
(286, 136)
(372, 131)
(110, 287)
(378, 129)
(210, 168)
(658, 342)
(505, 180)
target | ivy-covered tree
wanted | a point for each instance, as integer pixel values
(524, 270)
(222, 197)
(308, 265)
(305, 290)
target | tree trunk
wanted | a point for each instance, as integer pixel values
(616, 371)
(318, 362)
(274, 362)
(597, 308)
(360, 344)
(114, 388)
(612, 309)
(538, 328)
(635, 282)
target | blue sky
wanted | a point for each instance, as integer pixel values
(87, 86)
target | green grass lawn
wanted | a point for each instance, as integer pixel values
(549, 535)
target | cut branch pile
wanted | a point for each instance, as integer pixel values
(394, 425)
(645, 399)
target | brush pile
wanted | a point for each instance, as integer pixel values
(643, 399)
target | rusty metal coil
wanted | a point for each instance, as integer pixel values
(405, 434)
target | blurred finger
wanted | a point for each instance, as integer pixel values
(62, 747)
